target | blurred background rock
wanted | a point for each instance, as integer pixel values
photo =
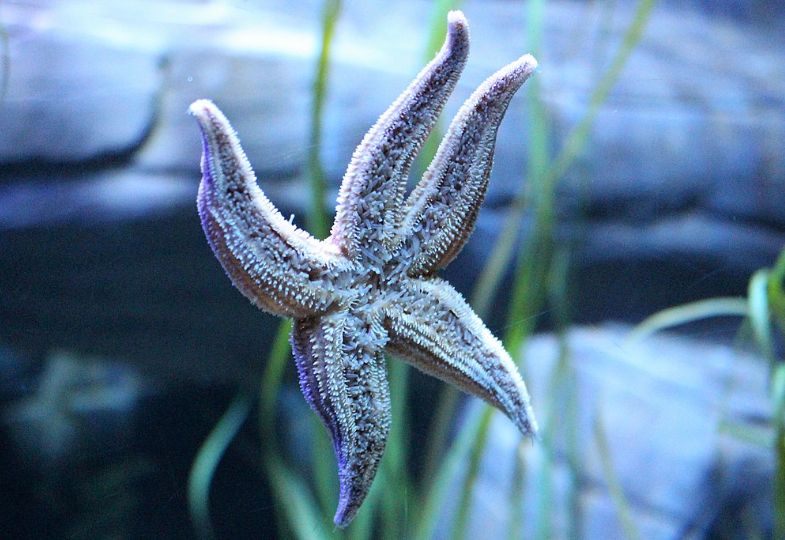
(679, 195)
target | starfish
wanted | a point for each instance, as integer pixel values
(371, 286)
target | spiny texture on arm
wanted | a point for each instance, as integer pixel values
(279, 267)
(434, 329)
(369, 202)
(343, 379)
(443, 207)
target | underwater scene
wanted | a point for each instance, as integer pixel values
(426, 269)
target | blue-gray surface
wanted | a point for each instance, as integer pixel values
(686, 440)
(679, 193)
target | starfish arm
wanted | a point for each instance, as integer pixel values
(369, 202)
(443, 207)
(279, 267)
(435, 330)
(343, 378)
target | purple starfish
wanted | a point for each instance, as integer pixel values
(371, 287)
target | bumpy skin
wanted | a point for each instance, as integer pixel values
(370, 287)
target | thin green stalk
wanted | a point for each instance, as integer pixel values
(317, 216)
(528, 293)
(559, 391)
(271, 384)
(515, 530)
(206, 463)
(437, 490)
(543, 523)
(578, 137)
(778, 399)
(461, 519)
(775, 308)
(537, 164)
(759, 314)
(501, 254)
(533, 261)
(325, 477)
(573, 447)
(438, 27)
(562, 407)
(295, 506)
(362, 526)
(294, 501)
(439, 431)
(614, 486)
(776, 291)
(396, 492)
(690, 312)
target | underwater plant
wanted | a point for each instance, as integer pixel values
(763, 312)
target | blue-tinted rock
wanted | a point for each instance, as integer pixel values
(80, 409)
(73, 93)
(686, 423)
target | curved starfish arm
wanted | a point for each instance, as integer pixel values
(345, 382)
(435, 330)
(443, 207)
(280, 268)
(368, 209)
